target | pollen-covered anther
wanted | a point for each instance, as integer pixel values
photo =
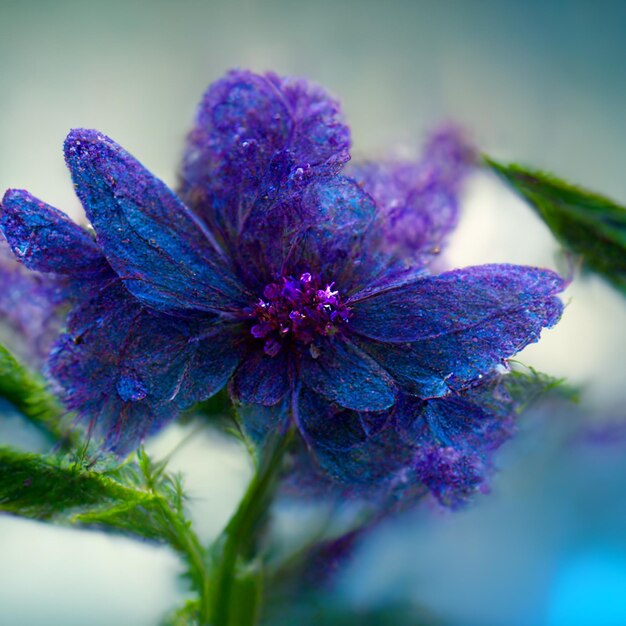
(297, 310)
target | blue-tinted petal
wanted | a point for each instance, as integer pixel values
(412, 367)
(344, 374)
(85, 362)
(454, 437)
(318, 229)
(433, 366)
(340, 461)
(463, 303)
(478, 418)
(261, 379)
(162, 252)
(179, 361)
(47, 240)
(328, 425)
(126, 370)
(260, 421)
(338, 215)
(244, 123)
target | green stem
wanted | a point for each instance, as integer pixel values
(185, 541)
(237, 543)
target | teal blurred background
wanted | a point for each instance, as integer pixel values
(541, 82)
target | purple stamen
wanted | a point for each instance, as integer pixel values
(297, 309)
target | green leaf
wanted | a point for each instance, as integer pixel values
(42, 487)
(137, 498)
(583, 222)
(188, 615)
(525, 385)
(28, 393)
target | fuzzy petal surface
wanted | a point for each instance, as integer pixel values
(418, 200)
(126, 371)
(31, 308)
(164, 255)
(344, 374)
(261, 379)
(254, 133)
(467, 301)
(455, 438)
(47, 240)
(455, 359)
(180, 361)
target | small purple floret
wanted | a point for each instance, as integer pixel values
(297, 310)
(451, 475)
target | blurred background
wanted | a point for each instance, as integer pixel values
(541, 82)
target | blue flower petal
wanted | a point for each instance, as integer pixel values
(462, 301)
(344, 374)
(454, 438)
(343, 459)
(47, 240)
(180, 361)
(165, 256)
(86, 363)
(259, 422)
(126, 370)
(262, 379)
(433, 366)
(338, 215)
(327, 425)
(318, 229)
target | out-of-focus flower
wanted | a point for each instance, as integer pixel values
(418, 200)
(273, 270)
(31, 309)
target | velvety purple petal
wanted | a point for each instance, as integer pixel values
(339, 215)
(341, 461)
(31, 308)
(318, 229)
(434, 366)
(245, 123)
(179, 361)
(455, 437)
(259, 421)
(329, 426)
(413, 369)
(85, 362)
(451, 475)
(47, 240)
(418, 200)
(162, 252)
(261, 379)
(344, 374)
(463, 303)
(127, 370)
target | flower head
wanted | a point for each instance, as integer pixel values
(273, 271)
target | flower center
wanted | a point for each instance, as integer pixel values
(297, 310)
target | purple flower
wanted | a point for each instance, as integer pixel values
(31, 308)
(272, 270)
(417, 201)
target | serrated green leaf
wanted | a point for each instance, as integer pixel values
(525, 385)
(28, 393)
(41, 487)
(138, 498)
(584, 222)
